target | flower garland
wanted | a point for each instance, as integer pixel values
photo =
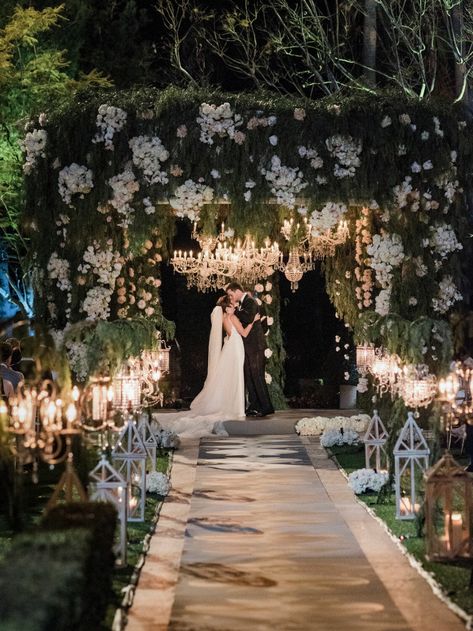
(314, 426)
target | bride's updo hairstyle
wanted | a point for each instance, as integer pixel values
(224, 302)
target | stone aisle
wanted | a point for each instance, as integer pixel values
(275, 540)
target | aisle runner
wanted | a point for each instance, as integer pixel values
(267, 549)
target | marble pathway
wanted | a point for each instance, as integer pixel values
(275, 540)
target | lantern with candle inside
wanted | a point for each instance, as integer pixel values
(127, 390)
(374, 440)
(411, 459)
(448, 512)
(129, 459)
(364, 358)
(107, 485)
(96, 403)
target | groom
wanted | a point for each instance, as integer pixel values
(259, 403)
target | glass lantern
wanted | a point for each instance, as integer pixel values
(448, 512)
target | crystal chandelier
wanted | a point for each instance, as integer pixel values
(417, 386)
(300, 257)
(324, 243)
(385, 370)
(219, 261)
(364, 358)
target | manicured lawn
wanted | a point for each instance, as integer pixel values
(454, 580)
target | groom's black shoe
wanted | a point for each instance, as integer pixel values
(253, 413)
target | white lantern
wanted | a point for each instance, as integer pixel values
(374, 440)
(109, 486)
(129, 457)
(411, 459)
(149, 439)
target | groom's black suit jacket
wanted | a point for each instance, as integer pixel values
(255, 341)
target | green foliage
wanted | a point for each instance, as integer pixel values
(42, 581)
(99, 519)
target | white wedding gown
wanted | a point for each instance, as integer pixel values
(223, 396)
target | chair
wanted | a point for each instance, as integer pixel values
(457, 434)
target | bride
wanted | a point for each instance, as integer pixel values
(223, 395)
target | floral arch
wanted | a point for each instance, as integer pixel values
(109, 175)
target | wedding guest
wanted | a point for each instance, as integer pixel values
(6, 385)
(17, 355)
(14, 377)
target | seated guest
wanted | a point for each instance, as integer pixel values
(6, 373)
(16, 355)
(6, 386)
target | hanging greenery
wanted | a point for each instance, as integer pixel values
(109, 174)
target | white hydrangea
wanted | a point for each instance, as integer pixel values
(59, 270)
(34, 147)
(74, 179)
(443, 240)
(403, 193)
(332, 437)
(217, 120)
(382, 302)
(313, 426)
(124, 186)
(363, 480)
(268, 378)
(449, 184)
(327, 218)
(110, 119)
(346, 150)
(420, 267)
(148, 153)
(286, 182)
(157, 482)
(316, 161)
(386, 252)
(447, 296)
(189, 198)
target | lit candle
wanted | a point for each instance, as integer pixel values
(457, 532)
(406, 506)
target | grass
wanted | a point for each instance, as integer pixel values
(453, 579)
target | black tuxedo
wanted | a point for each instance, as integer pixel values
(255, 345)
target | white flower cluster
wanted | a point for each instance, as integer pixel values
(382, 302)
(109, 120)
(148, 153)
(332, 437)
(386, 252)
(447, 296)
(59, 270)
(346, 150)
(286, 182)
(34, 146)
(443, 240)
(189, 198)
(363, 480)
(316, 161)
(313, 426)
(405, 194)
(327, 218)
(124, 186)
(168, 439)
(158, 483)
(105, 263)
(74, 179)
(77, 355)
(217, 120)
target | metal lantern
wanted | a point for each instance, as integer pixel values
(149, 439)
(109, 486)
(374, 440)
(448, 512)
(411, 459)
(129, 457)
(364, 358)
(126, 390)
